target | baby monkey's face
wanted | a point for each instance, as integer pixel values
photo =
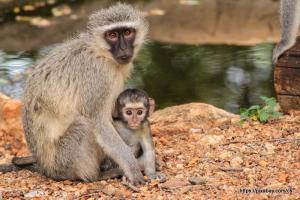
(134, 114)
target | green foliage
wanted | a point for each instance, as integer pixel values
(261, 114)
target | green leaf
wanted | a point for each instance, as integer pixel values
(244, 113)
(254, 107)
(264, 116)
(242, 110)
(271, 102)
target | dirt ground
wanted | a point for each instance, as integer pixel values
(202, 150)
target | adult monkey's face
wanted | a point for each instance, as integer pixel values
(121, 42)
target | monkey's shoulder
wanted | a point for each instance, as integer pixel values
(63, 53)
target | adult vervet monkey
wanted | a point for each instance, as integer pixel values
(70, 95)
(290, 20)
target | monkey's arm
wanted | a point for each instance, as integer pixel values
(116, 149)
(147, 160)
(289, 19)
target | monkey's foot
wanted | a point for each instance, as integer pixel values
(129, 185)
(161, 177)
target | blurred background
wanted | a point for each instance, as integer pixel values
(213, 51)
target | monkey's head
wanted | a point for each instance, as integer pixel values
(120, 29)
(133, 107)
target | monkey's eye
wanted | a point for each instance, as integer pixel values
(112, 35)
(139, 112)
(128, 112)
(127, 32)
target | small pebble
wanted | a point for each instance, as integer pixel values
(186, 189)
(196, 180)
(161, 177)
(109, 190)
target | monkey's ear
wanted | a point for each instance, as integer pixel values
(151, 106)
(115, 112)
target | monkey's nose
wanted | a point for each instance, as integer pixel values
(124, 59)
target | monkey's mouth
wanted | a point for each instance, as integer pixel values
(133, 126)
(124, 59)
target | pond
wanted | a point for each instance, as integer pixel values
(227, 76)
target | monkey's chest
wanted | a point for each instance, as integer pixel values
(132, 140)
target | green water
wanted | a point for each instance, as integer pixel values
(226, 76)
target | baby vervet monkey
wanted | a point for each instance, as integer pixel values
(131, 113)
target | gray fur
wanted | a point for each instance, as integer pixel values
(69, 99)
(289, 19)
(141, 143)
(139, 140)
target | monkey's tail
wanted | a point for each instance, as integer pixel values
(11, 167)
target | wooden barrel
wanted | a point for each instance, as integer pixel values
(287, 79)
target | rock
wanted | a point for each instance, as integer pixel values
(11, 129)
(169, 151)
(161, 177)
(11, 109)
(212, 139)
(236, 162)
(196, 180)
(269, 149)
(109, 190)
(263, 163)
(225, 154)
(282, 177)
(179, 166)
(68, 182)
(186, 189)
(174, 183)
(193, 117)
(34, 193)
(196, 130)
(297, 135)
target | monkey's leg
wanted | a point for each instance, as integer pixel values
(289, 19)
(115, 148)
(108, 164)
(78, 156)
(112, 173)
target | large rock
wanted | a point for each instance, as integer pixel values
(193, 117)
(12, 140)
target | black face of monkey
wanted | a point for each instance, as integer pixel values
(121, 42)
